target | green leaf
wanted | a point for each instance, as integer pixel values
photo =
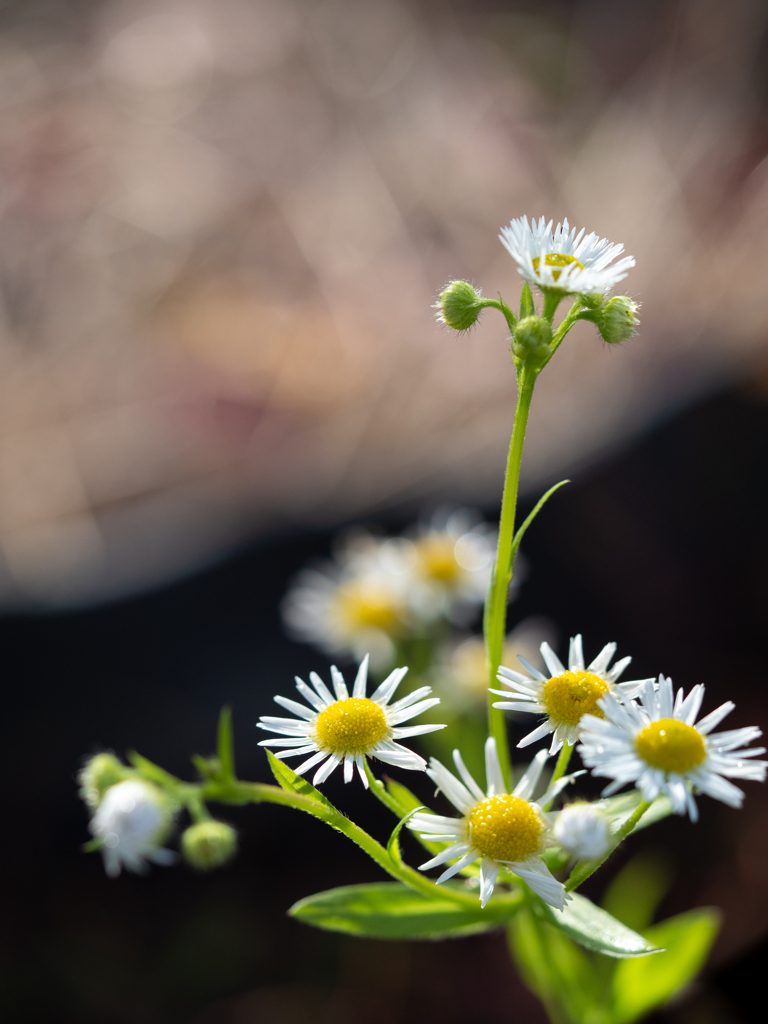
(596, 929)
(288, 779)
(622, 806)
(225, 746)
(537, 508)
(527, 307)
(153, 772)
(640, 986)
(636, 891)
(393, 846)
(404, 798)
(390, 910)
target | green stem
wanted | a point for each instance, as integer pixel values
(560, 767)
(552, 300)
(585, 868)
(501, 305)
(568, 321)
(496, 603)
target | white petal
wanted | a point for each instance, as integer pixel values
(325, 770)
(469, 782)
(295, 707)
(311, 762)
(339, 686)
(415, 730)
(576, 654)
(458, 866)
(714, 718)
(455, 850)
(551, 660)
(361, 679)
(322, 689)
(538, 733)
(456, 792)
(384, 692)
(493, 776)
(603, 660)
(309, 694)
(489, 871)
(530, 779)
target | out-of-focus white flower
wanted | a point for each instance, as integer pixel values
(566, 695)
(563, 259)
(498, 828)
(660, 747)
(349, 729)
(132, 821)
(583, 830)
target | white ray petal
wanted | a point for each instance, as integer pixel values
(361, 679)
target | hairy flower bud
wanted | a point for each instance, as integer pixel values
(582, 830)
(616, 320)
(132, 821)
(531, 339)
(97, 775)
(458, 305)
(209, 844)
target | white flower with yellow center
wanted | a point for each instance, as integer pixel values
(563, 259)
(132, 821)
(498, 828)
(661, 748)
(565, 695)
(349, 729)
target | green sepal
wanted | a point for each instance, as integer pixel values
(537, 508)
(390, 910)
(153, 772)
(288, 780)
(596, 929)
(393, 846)
(225, 745)
(640, 986)
(527, 307)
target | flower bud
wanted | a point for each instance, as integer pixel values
(132, 821)
(531, 339)
(209, 844)
(97, 775)
(616, 320)
(458, 305)
(582, 830)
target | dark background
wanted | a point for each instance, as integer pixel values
(663, 550)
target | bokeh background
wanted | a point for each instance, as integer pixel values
(222, 224)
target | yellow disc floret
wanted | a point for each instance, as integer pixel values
(671, 746)
(351, 726)
(505, 828)
(556, 259)
(569, 696)
(436, 555)
(361, 604)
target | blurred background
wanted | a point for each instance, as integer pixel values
(222, 224)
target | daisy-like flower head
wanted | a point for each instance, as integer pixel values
(566, 695)
(563, 259)
(132, 821)
(349, 729)
(660, 747)
(498, 828)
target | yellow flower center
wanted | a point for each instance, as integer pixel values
(556, 259)
(436, 556)
(505, 827)
(351, 726)
(671, 746)
(362, 604)
(569, 696)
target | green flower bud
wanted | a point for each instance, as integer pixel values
(97, 775)
(531, 339)
(458, 305)
(616, 320)
(209, 844)
(593, 300)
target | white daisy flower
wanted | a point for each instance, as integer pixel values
(132, 821)
(349, 729)
(661, 748)
(500, 829)
(565, 695)
(563, 259)
(583, 830)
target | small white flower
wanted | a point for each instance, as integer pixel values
(132, 821)
(566, 695)
(562, 259)
(496, 827)
(661, 748)
(583, 830)
(349, 729)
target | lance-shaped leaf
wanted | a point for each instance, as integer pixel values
(596, 929)
(393, 846)
(640, 986)
(293, 783)
(389, 910)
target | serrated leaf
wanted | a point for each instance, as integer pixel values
(640, 986)
(393, 846)
(390, 910)
(288, 779)
(597, 930)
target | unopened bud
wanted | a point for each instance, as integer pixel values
(97, 775)
(458, 305)
(582, 830)
(209, 844)
(616, 320)
(531, 339)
